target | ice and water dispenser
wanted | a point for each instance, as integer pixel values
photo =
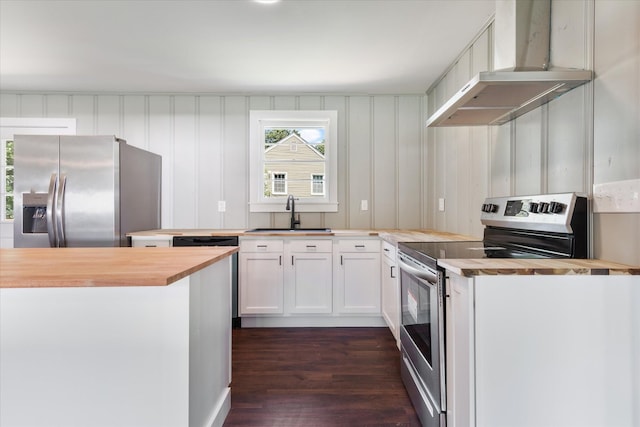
(34, 212)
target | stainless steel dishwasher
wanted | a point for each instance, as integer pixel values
(218, 241)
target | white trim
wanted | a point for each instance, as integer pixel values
(326, 321)
(10, 126)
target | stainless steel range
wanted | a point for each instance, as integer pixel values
(541, 226)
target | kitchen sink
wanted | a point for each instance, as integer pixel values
(289, 230)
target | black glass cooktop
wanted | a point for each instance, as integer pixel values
(430, 252)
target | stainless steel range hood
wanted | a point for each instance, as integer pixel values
(495, 97)
(522, 82)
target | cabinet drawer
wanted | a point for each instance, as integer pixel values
(310, 246)
(359, 245)
(389, 250)
(261, 245)
(151, 241)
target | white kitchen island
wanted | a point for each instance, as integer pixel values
(115, 336)
(542, 343)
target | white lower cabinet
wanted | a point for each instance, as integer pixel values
(390, 290)
(260, 277)
(307, 277)
(357, 276)
(298, 281)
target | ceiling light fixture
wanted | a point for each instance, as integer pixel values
(267, 1)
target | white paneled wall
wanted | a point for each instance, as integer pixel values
(589, 135)
(460, 158)
(203, 140)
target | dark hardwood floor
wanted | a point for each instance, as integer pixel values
(317, 377)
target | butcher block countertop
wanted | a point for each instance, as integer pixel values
(87, 267)
(392, 236)
(242, 232)
(396, 236)
(509, 266)
(465, 267)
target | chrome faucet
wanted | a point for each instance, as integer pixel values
(291, 206)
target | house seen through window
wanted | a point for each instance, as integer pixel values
(294, 161)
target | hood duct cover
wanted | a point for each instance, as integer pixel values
(522, 84)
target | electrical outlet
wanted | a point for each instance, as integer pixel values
(441, 204)
(364, 205)
(222, 206)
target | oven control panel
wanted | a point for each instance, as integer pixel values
(545, 212)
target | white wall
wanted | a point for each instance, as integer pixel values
(203, 140)
(588, 136)
(617, 121)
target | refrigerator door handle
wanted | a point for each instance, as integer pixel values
(62, 241)
(52, 229)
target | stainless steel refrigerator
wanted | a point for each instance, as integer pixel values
(83, 191)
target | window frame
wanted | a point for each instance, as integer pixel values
(4, 168)
(259, 120)
(11, 126)
(313, 182)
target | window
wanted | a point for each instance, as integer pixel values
(9, 126)
(293, 153)
(279, 183)
(6, 173)
(317, 184)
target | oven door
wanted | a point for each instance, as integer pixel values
(422, 331)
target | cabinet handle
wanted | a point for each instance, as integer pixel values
(392, 276)
(340, 259)
(386, 250)
(280, 260)
(311, 246)
(291, 259)
(360, 246)
(262, 246)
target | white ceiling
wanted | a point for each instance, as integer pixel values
(233, 46)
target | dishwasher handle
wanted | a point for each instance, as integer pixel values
(205, 241)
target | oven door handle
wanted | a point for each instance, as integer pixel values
(422, 274)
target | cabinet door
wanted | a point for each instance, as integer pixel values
(308, 283)
(459, 303)
(390, 295)
(358, 283)
(261, 283)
